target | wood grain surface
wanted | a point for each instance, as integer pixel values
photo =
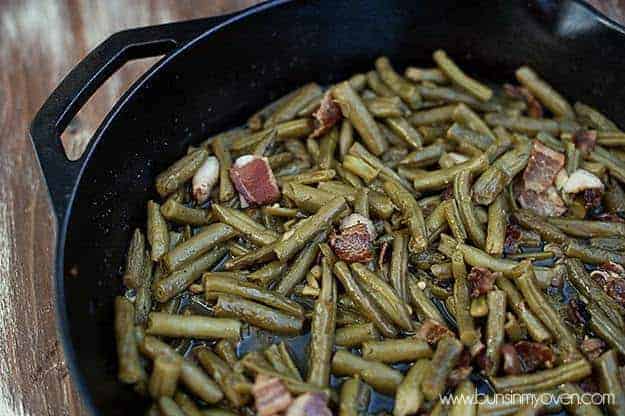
(40, 41)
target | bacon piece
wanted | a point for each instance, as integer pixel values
(585, 140)
(577, 312)
(511, 360)
(534, 108)
(611, 277)
(534, 355)
(481, 281)
(253, 179)
(309, 404)
(513, 236)
(326, 116)
(548, 203)
(542, 168)
(592, 347)
(270, 395)
(353, 244)
(432, 331)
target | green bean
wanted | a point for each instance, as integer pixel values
(522, 124)
(537, 224)
(309, 177)
(385, 107)
(135, 258)
(225, 350)
(396, 350)
(405, 89)
(607, 369)
(550, 141)
(469, 335)
(510, 404)
(199, 244)
(432, 116)
(413, 216)
(285, 131)
(611, 139)
(409, 397)
(585, 229)
(306, 229)
(289, 109)
(605, 328)
(594, 119)
(256, 121)
(300, 267)
(358, 82)
(549, 97)
(424, 157)
(225, 285)
(360, 168)
(426, 74)
(226, 189)
(608, 243)
(356, 112)
(423, 304)
(279, 160)
(535, 327)
(354, 398)
(196, 381)
(164, 377)
(310, 107)
(465, 208)
(322, 330)
(453, 95)
(405, 131)
(593, 255)
(573, 157)
(399, 266)
(354, 335)
(168, 407)
(456, 75)
(223, 375)
(130, 369)
(495, 329)
(158, 235)
(202, 327)
(614, 197)
(377, 85)
(496, 231)
(536, 301)
(466, 405)
(464, 115)
(363, 301)
(186, 404)
(275, 358)
(386, 173)
(445, 357)
(346, 138)
(143, 298)
(327, 148)
(253, 231)
(436, 222)
(180, 172)
(462, 135)
(542, 380)
(268, 273)
(288, 361)
(492, 182)
(256, 314)
(439, 179)
(577, 406)
(361, 202)
(379, 376)
(176, 212)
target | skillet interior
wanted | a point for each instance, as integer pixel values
(223, 78)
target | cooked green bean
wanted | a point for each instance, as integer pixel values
(356, 112)
(456, 75)
(593, 255)
(168, 407)
(445, 357)
(179, 214)
(496, 230)
(180, 172)
(523, 124)
(424, 157)
(289, 109)
(439, 179)
(164, 377)
(594, 119)
(466, 325)
(426, 74)
(585, 228)
(199, 244)
(396, 350)
(409, 397)
(386, 173)
(238, 220)
(542, 380)
(134, 260)
(203, 327)
(405, 131)
(226, 189)
(223, 375)
(354, 335)
(157, 232)
(424, 304)
(406, 90)
(433, 116)
(268, 273)
(607, 369)
(298, 270)
(399, 266)
(143, 298)
(413, 216)
(327, 148)
(493, 181)
(186, 404)
(360, 168)
(462, 195)
(466, 405)
(549, 97)
(452, 94)
(463, 135)
(379, 376)
(130, 369)
(378, 86)
(354, 398)
(605, 328)
(537, 224)
(495, 329)
(385, 107)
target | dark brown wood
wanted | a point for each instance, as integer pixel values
(40, 41)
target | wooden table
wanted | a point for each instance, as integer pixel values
(40, 41)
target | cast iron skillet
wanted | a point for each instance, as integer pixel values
(217, 71)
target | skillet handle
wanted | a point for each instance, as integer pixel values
(83, 81)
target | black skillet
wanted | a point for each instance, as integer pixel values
(217, 71)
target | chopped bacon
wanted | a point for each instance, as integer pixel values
(534, 108)
(577, 312)
(513, 236)
(458, 375)
(253, 178)
(616, 290)
(432, 331)
(585, 140)
(592, 347)
(353, 244)
(271, 395)
(309, 404)
(611, 277)
(326, 116)
(534, 355)
(511, 360)
(481, 281)
(548, 203)
(542, 168)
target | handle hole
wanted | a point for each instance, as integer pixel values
(82, 127)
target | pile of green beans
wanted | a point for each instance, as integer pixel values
(421, 177)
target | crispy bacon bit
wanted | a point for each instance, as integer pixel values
(585, 140)
(611, 277)
(458, 375)
(432, 331)
(511, 360)
(447, 193)
(353, 244)
(513, 236)
(481, 281)
(548, 203)
(355, 219)
(592, 347)
(326, 116)
(309, 404)
(534, 108)
(592, 197)
(253, 178)
(577, 312)
(270, 395)
(542, 168)
(534, 355)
